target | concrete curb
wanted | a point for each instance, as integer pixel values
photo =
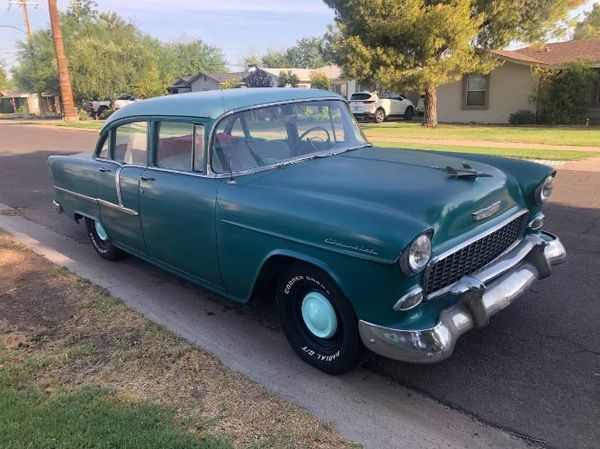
(363, 407)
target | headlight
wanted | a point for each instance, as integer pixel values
(417, 255)
(544, 190)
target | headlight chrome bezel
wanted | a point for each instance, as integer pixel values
(544, 190)
(420, 244)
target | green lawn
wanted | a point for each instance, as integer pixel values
(559, 135)
(519, 153)
(89, 417)
(91, 124)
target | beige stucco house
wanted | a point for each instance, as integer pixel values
(508, 88)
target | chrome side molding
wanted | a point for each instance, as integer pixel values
(99, 201)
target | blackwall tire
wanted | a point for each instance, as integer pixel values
(103, 247)
(336, 353)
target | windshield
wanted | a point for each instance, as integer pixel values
(276, 134)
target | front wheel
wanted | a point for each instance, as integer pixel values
(101, 241)
(409, 113)
(317, 319)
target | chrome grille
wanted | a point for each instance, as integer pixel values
(446, 271)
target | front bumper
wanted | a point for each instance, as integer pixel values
(480, 296)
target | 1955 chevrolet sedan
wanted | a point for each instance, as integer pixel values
(277, 190)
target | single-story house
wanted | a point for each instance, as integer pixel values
(508, 88)
(212, 81)
(13, 100)
(203, 81)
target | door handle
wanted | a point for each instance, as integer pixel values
(146, 178)
(104, 170)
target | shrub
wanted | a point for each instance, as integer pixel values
(83, 115)
(288, 78)
(522, 117)
(231, 83)
(562, 95)
(318, 80)
(107, 113)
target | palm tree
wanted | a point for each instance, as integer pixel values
(64, 81)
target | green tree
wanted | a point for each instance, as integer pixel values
(190, 57)
(307, 53)
(422, 44)
(4, 81)
(589, 27)
(36, 69)
(82, 10)
(288, 78)
(109, 56)
(318, 80)
(563, 95)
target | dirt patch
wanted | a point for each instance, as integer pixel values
(31, 298)
(71, 334)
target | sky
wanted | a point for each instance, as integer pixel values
(238, 27)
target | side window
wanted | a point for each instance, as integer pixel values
(131, 143)
(180, 145)
(103, 154)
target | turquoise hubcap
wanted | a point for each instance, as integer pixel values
(101, 231)
(318, 315)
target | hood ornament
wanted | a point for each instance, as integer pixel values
(487, 212)
(466, 172)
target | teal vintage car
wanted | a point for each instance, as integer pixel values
(250, 192)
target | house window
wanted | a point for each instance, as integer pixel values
(476, 90)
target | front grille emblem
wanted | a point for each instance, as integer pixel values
(487, 212)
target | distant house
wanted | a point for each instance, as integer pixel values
(508, 88)
(211, 81)
(13, 100)
(203, 81)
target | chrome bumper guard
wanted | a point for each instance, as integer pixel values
(480, 296)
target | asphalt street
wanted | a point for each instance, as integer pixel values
(534, 372)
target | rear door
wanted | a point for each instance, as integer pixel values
(118, 183)
(177, 201)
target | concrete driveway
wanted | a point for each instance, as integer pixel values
(534, 372)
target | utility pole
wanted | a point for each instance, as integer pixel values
(64, 80)
(24, 4)
(27, 25)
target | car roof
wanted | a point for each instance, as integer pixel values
(211, 104)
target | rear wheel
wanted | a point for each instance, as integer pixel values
(379, 116)
(317, 319)
(101, 241)
(409, 113)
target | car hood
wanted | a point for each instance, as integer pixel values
(409, 190)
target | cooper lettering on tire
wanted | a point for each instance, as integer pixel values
(318, 320)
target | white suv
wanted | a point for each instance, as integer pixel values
(380, 107)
